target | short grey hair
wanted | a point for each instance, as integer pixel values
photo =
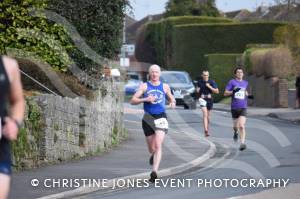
(154, 66)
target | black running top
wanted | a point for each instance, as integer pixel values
(4, 91)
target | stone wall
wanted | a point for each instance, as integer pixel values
(268, 92)
(73, 128)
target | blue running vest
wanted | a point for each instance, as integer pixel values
(158, 106)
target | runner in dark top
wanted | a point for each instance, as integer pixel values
(12, 95)
(206, 87)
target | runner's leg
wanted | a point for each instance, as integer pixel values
(235, 129)
(158, 141)
(150, 143)
(205, 119)
(242, 130)
(4, 186)
(208, 119)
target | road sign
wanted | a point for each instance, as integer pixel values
(124, 62)
(129, 48)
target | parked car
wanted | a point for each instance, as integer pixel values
(133, 75)
(182, 87)
(133, 83)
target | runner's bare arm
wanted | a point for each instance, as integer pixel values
(214, 90)
(16, 100)
(16, 97)
(169, 95)
(227, 93)
(136, 98)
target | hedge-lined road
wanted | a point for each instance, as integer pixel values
(273, 152)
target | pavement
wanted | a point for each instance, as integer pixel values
(289, 114)
(130, 160)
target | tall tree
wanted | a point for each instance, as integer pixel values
(99, 22)
(191, 7)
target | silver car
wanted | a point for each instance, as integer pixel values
(181, 86)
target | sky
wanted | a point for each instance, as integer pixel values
(142, 8)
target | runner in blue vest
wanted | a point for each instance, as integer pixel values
(155, 125)
(10, 93)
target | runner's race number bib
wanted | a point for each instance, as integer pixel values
(161, 123)
(202, 102)
(240, 94)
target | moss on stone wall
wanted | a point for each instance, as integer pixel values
(27, 149)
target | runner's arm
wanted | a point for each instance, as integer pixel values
(16, 98)
(214, 90)
(228, 93)
(136, 98)
(170, 96)
(229, 89)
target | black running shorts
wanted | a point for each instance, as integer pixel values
(236, 113)
(149, 126)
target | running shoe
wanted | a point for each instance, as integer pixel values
(243, 147)
(206, 133)
(153, 176)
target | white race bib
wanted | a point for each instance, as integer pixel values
(161, 123)
(202, 102)
(240, 94)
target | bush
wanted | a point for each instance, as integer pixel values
(289, 36)
(278, 63)
(191, 42)
(257, 58)
(221, 67)
(20, 30)
(156, 38)
(272, 62)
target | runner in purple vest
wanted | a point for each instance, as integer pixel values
(237, 89)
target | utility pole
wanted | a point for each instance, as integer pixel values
(124, 37)
(124, 62)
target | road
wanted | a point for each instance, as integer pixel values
(273, 155)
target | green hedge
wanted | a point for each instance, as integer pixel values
(191, 42)
(195, 20)
(158, 35)
(221, 68)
